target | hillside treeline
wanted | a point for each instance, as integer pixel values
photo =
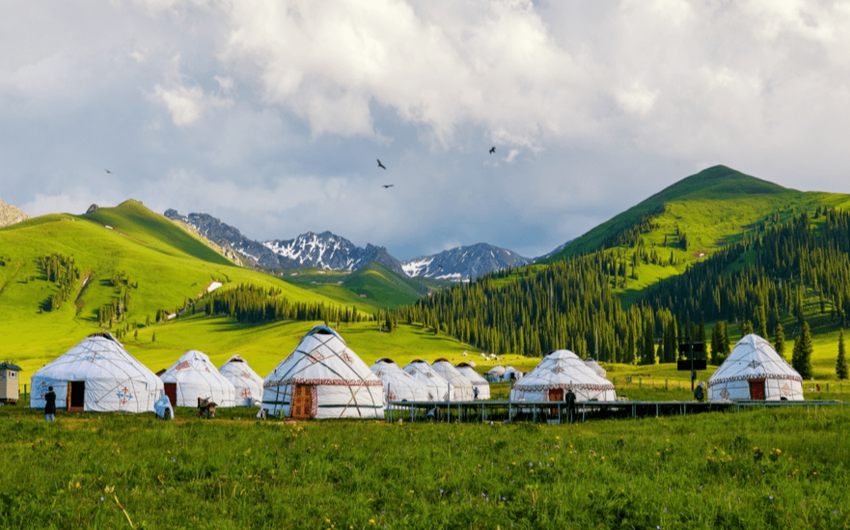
(773, 275)
(571, 304)
(59, 269)
(251, 303)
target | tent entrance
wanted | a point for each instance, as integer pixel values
(757, 389)
(302, 402)
(171, 392)
(76, 396)
(556, 394)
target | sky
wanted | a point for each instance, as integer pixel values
(271, 114)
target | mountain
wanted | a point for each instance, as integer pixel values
(325, 250)
(331, 252)
(464, 263)
(10, 215)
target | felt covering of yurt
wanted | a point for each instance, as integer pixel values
(196, 377)
(398, 384)
(461, 387)
(248, 383)
(335, 380)
(496, 373)
(591, 362)
(511, 374)
(466, 369)
(113, 380)
(557, 373)
(438, 388)
(753, 362)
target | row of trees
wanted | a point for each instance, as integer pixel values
(571, 304)
(251, 303)
(59, 269)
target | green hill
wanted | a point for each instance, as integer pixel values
(373, 285)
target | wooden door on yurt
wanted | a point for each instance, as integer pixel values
(171, 392)
(76, 396)
(757, 389)
(302, 402)
(556, 394)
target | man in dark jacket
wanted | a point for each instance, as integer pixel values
(570, 398)
(50, 405)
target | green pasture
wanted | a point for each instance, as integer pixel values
(772, 468)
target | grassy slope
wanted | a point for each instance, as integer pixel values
(169, 265)
(382, 287)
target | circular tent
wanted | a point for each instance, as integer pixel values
(248, 384)
(557, 373)
(466, 370)
(511, 374)
(194, 377)
(461, 387)
(591, 362)
(323, 378)
(755, 371)
(398, 384)
(97, 374)
(496, 373)
(438, 388)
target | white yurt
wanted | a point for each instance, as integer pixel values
(496, 373)
(438, 388)
(595, 366)
(248, 384)
(97, 374)
(511, 374)
(323, 378)
(461, 387)
(195, 377)
(466, 370)
(398, 384)
(755, 371)
(557, 373)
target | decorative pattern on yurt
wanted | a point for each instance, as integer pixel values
(461, 387)
(557, 373)
(323, 378)
(248, 383)
(99, 375)
(398, 384)
(438, 388)
(196, 377)
(755, 371)
(466, 369)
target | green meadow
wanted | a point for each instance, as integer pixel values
(762, 468)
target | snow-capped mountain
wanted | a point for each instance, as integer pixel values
(325, 250)
(464, 263)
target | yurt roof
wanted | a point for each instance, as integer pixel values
(195, 366)
(322, 358)
(498, 370)
(753, 358)
(595, 366)
(450, 373)
(562, 369)
(98, 356)
(469, 372)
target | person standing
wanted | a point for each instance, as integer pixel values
(50, 405)
(570, 398)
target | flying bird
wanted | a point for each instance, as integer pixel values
(108, 171)
(388, 185)
(492, 149)
(380, 165)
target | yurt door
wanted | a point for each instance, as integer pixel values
(556, 394)
(76, 396)
(757, 389)
(171, 392)
(302, 402)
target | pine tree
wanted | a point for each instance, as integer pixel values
(648, 356)
(762, 317)
(779, 340)
(153, 336)
(746, 328)
(801, 358)
(726, 348)
(715, 344)
(841, 363)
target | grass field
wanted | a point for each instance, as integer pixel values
(752, 469)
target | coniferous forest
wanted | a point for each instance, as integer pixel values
(572, 304)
